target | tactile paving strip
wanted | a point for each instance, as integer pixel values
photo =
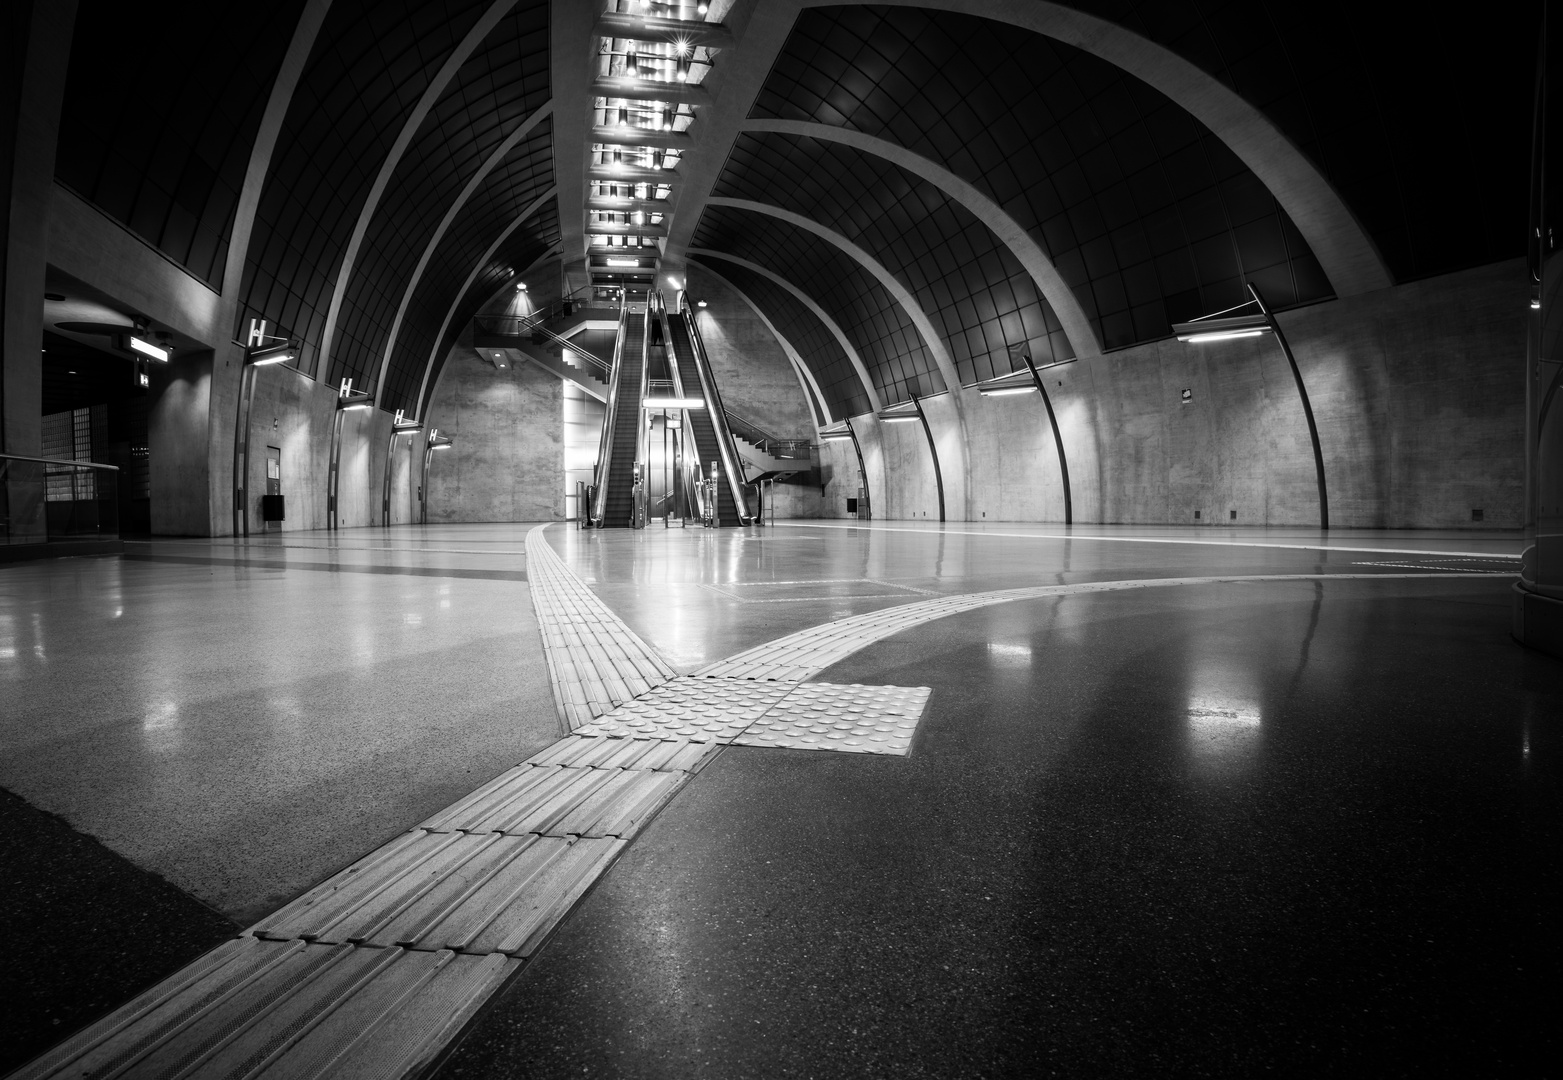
(290, 1009)
(854, 718)
(700, 710)
(558, 801)
(595, 661)
(477, 893)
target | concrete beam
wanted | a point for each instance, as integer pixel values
(706, 255)
(664, 31)
(630, 135)
(1060, 297)
(431, 95)
(674, 93)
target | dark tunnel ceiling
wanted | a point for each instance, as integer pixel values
(1420, 123)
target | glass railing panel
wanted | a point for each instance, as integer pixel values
(49, 499)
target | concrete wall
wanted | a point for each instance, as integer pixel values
(507, 463)
(1417, 391)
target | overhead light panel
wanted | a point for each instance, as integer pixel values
(632, 65)
(673, 403)
(623, 262)
(1001, 391)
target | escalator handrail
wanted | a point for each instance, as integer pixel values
(599, 509)
(642, 435)
(725, 447)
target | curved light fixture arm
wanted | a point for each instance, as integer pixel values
(1058, 440)
(1302, 392)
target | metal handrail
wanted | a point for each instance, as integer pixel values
(599, 509)
(689, 481)
(724, 437)
(764, 440)
(488, 323)
(59, 461)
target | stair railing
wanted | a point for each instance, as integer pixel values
(772, 445)
(599, 509)
(725, 448)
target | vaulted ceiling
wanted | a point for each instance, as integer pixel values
(911, 193)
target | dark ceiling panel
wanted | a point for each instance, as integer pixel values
(966, 280)
(1142, 210)
(880, 330)
(162, 103)
(371, 63)
(503, 83)
(1422, 124)
(520, 250)
(818, 347)
(515, 183)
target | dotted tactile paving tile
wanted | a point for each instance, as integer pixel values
(595, 661)
(699, 710)
(853, 719)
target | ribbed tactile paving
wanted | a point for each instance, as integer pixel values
(700, 710)
(603, 752)
(286, 1009)
(556, 801)
(854, 718)
(595, 661)
(478, 893)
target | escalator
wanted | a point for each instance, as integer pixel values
(616, 469)
(704, 431)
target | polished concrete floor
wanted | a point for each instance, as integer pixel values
(1302, 825)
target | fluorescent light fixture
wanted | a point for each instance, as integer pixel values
(899, 417)
(357, 406)
(1218, 329)
(406, 425)
(440, 446)
(273, 354)
(623, 262)
(834, 436)
(1001, 391)
(673, 403)
(145, 348)
(1220, 335)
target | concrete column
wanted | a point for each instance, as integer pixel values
(38, 53)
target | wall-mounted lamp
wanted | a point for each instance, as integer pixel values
(900, 414)
(700, 303)
(260, 350)
(285, 353)
(139, 345)
(520, 286)
(436, 441)
(400, 425)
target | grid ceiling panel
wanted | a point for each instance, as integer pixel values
(1422, 125)
(968, 282)
(1142, 210)
(370, 65)
(892, 350)
(498, 87)
(513, 185)
(166, 156)
(827, 361)
(520, 249)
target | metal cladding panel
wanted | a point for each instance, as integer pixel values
(166, 156)
(515, 183)
(971, 286)
(897, 359)
(1148, 216)
(286, 1009)
(493, 93)
(370, 65)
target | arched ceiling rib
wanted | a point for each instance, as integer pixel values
(839, 374)
(494, 78)
(1076, 324)
(513, 191)
(881, 330)
(977, 296)
(1147, 215)
(1421, 123)
(369, 69)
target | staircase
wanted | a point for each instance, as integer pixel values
(764, 456)
(543, 339)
